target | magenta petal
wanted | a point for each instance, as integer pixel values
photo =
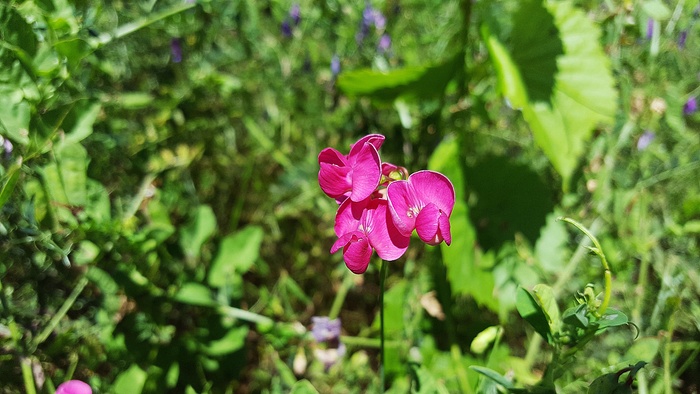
(357, 254)
(334, 180)
(427, 224)
(344, 240)
(74, 387)
(347, 219)
(433, 187)
(383, 235)
(332, 156)
(375, 139)
(366, 173)
(401, 206)
(444, 229)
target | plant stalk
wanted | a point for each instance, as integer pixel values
(382, 283)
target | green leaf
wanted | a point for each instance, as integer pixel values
(545, 297)
(130, 381)
(561, 107)
(303, 387)
(410, 82)
(200, 228)
(493, 375)
(464, 275)
(73, 163)
(195, 294)
(237, 253)
(550, 250)
(9, 181)
(612, 318)
(576, 316)
(485, 338)
(79, 121)
(74, 50)
(656, 9)
(229, 343)
(427, 383)
(14, 117)
(533, 313)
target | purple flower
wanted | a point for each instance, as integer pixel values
(682, 38)
(650, 28)
(335, 66)
(691, 106)
(286, 29)
(324, 329)
(6, 146)
(176, 50)
(295, 13)
(74, 387)
(384, 43)
(645, 140)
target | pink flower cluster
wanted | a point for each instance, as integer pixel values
(380, 205)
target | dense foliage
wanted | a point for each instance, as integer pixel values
(162, 228)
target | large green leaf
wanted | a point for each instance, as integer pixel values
(409, 82)
(237, 254)
(66, 178)
(532, 312)
(557, 73)
(200, 228)
(462, 273)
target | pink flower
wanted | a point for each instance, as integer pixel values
(363, 227)
(356, 175)
(74, 387)
(423, 202)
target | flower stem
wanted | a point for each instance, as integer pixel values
(340, 297)
(67, 304)
(382, 282)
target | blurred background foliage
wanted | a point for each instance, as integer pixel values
(162, 230)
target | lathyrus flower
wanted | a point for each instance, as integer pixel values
(424, 202)
(363, 227)
(354, 176)
(74, 387)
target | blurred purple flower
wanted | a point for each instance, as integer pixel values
(74, 387)
(384, 43)
(682, 38)
(286, 29)
(295, 13)
(370, 18)
(645, 140)
(335, 66)
(650, 28)
(6, 146)
(176, 50)
(691, 106)
(324, 329)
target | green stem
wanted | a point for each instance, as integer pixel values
(131, 27)
(367, 342)
(60, 314)
(244, 315)
(27, 375)
(598, 250)
(382, 282)
(340, 297)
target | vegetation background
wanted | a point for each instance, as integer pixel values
(162, 229)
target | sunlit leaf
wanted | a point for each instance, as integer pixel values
(545, 297)
(532, 312)
(233, 340)
(130, 381)
(408, 82)
(612, 318)
(236, 255)
(9, 180)
(200, 228)
(561, 107)
(195, 294)
(493, 375)
(303, 387)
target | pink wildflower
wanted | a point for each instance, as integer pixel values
(74, 387)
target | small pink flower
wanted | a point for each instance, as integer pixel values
(74, 387)
(424, 202)
(356, 175)
(363, 227)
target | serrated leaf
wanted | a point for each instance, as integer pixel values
(236, 255)
(532, 312)
(408, 82)
(564, 106)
